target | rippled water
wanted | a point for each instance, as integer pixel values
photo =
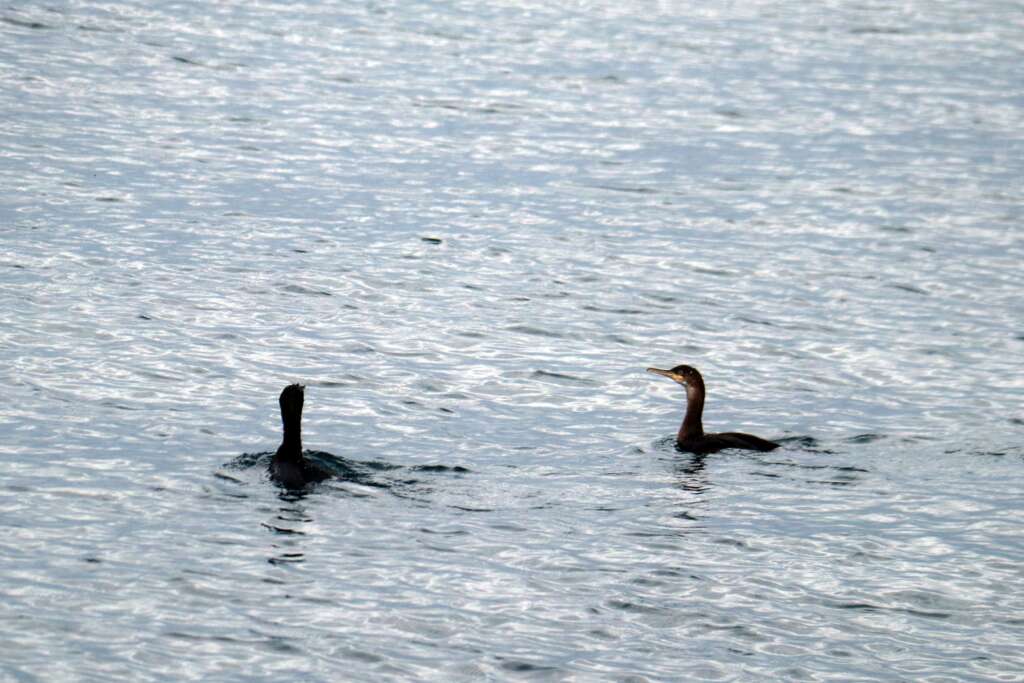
(468, 228)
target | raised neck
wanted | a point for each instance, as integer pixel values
(692, 428)
(291, 444)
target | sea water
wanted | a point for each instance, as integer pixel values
(467, 228)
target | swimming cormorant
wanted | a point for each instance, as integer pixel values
(289, 468)
(691, 435)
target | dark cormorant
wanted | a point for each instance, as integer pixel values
(691, 435)
(289, 468)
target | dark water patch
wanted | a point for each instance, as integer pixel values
(999, 453)
(181, 635)
(360, 347)
(755, 321)
(536, 331)
(678, 573)
(625, 188)
(489, 108)
(868, 607)
(909, 288)
(119, 406)
(186, 60)
(812, 467)
(223, 476)
(441, 469)
(630, 606)
(284, 531)
(280, 645)
(617, 311)
(518, 666)
(857, 606)
(837, 482)
(561, 377)
(92, 28)
(651, 534)
(704, 270)
(437, 532)
(299, 289)
(22, 23)
(805, 442)
(740, 630)
(866, 438)
(661, 298)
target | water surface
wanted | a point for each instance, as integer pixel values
(468, 230)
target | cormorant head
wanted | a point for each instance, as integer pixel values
(684, 374)
(291, 401)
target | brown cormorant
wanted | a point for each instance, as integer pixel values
(691, 435)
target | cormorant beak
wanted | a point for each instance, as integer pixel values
(671, 375)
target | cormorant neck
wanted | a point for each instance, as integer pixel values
(291, 445)
(692, 427)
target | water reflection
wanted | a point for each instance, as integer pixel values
(288, 525)
(347, 477)
(690, 473)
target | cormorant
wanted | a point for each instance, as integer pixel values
(691, 435)
(289, 468)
